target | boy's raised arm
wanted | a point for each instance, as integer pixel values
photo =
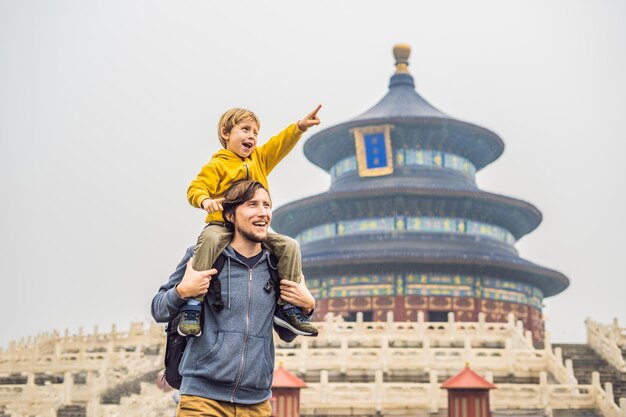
(280, 145)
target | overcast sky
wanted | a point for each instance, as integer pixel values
(108, 110)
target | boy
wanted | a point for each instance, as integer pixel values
(241, 159)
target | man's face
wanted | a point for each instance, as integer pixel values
(241, 140)
(252, 218)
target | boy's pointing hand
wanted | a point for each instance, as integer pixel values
(212, 205)
(310, 119)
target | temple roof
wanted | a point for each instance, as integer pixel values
(467, 379)
(403, 105)
(285, 379)
(401, 101)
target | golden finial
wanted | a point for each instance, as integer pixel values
(401, 52)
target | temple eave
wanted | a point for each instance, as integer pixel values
(549, 281)
(480, 145)
(517, 216)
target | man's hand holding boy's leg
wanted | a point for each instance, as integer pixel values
(194, 283)
(297, 294)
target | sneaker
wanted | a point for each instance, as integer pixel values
(293, 319)
(284, 334)
(189, 324)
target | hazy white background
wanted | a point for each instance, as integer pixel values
(108, 110)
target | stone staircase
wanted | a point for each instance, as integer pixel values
(72, 411)
(114, 395)
(586, 361)
(42, 379)
(14, 379)
(576, 413)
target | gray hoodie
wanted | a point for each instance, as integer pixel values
(233, 359)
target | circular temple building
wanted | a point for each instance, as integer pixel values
(404, 228)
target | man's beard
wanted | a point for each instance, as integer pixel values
(251, 236)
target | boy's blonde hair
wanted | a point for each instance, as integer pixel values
(231, 118)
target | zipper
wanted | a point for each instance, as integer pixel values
(242, 365)
(247, 171)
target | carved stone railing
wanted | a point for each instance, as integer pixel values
(604, 399)
(439, 334)
(324, 397)
(563, 372)
(43, 400)
(50, 352)
(607, 341)
(390, 347)
(107, 359)
(447, 361)
(383, 397)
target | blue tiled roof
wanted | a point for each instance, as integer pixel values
(402, 101)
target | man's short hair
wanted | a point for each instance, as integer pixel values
(236, 195)
(231, 118)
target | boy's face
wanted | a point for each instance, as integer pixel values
(241, 140)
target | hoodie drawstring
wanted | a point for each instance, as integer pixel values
(228, 282)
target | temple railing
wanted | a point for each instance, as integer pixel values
(604, 399)
(563, 372)
(50, 352)
(505, 361)
(421, 346)
(327, 397)
(607, 341)
(324, 397)
(440, 334)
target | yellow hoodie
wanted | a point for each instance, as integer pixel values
(226, 167)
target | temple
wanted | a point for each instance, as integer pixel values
(404, 228)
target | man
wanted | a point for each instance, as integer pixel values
(227, 370)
